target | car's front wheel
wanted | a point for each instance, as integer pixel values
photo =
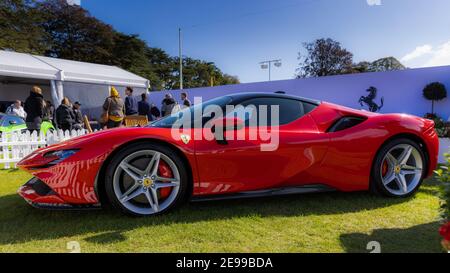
(146, 179)
(399, 168)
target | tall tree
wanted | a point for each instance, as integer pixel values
(129, 52)
(19, 27)
(163, 68)
(74, 34)
(56, 29)
(324, 57)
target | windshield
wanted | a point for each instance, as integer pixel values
(169, 121)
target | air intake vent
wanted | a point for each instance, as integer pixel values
(346, 123)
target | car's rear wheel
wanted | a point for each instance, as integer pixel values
(146, 179)
(399, 168)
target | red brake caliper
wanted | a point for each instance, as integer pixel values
(164, 171)
(384, 168)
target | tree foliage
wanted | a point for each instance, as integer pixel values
(20, 27)
(55, 29)
(435, 91)
(324, 57)
(380, 65)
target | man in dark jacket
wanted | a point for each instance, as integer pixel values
(144, 107)
(131, 103)
(65, 117)
(34, 107)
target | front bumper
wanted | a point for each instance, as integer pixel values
(39, 195)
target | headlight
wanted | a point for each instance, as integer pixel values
(59, 156)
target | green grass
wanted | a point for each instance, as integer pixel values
(331, 222)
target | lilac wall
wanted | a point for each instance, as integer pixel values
(402, 90)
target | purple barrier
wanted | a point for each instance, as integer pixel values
(401, 90)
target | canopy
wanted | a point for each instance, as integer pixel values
(37, 67)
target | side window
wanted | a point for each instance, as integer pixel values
(308, 107)
(289, 110)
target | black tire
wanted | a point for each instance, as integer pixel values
(122, 154)
(377, 186)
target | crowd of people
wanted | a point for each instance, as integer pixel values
(115, 109)
(36, 110)
(68, 115)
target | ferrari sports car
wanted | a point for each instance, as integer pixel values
(321, 147)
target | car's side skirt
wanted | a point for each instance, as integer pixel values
(265, 193)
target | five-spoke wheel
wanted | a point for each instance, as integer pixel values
(146, 179)
(399, 168)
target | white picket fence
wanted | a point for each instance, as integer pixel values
(17, 145)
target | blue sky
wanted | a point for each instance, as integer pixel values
(238, 34)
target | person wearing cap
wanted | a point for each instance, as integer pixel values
(79, 124)
(114, 109)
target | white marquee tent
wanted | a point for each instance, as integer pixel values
(84, 82)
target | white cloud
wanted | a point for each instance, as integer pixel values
(417, 53)
(428, 55)
(441, 56)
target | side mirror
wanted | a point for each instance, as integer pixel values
(228, 124)
(222, 125)
(12, 122)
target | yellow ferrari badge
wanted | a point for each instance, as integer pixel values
(185, 138)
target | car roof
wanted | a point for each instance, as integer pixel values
(250, 95)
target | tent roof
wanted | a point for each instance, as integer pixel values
(37, 67)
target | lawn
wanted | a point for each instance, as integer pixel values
(331, 222)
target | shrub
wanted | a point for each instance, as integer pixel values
(435, 91)
(444, 176)
(439, 124)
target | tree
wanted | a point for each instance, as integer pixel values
(20, 27)
(435, 92)
(386, 64)
(324, 57)
(164, 69)
(56, 29)
(73, 34)
(130, 53)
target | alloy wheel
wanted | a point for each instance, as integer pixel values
(402, 169)
(138, 183)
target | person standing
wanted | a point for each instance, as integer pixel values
(155, 111)
(49, 112)
(144, 107)
(79, 124)
(65, 117)
(186, 102)
(114, 110)
(16, 109)
(34, 107)
(168, 104)
(131, 103)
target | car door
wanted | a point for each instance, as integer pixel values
(242, 165)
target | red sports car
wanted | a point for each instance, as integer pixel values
(319, 147)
